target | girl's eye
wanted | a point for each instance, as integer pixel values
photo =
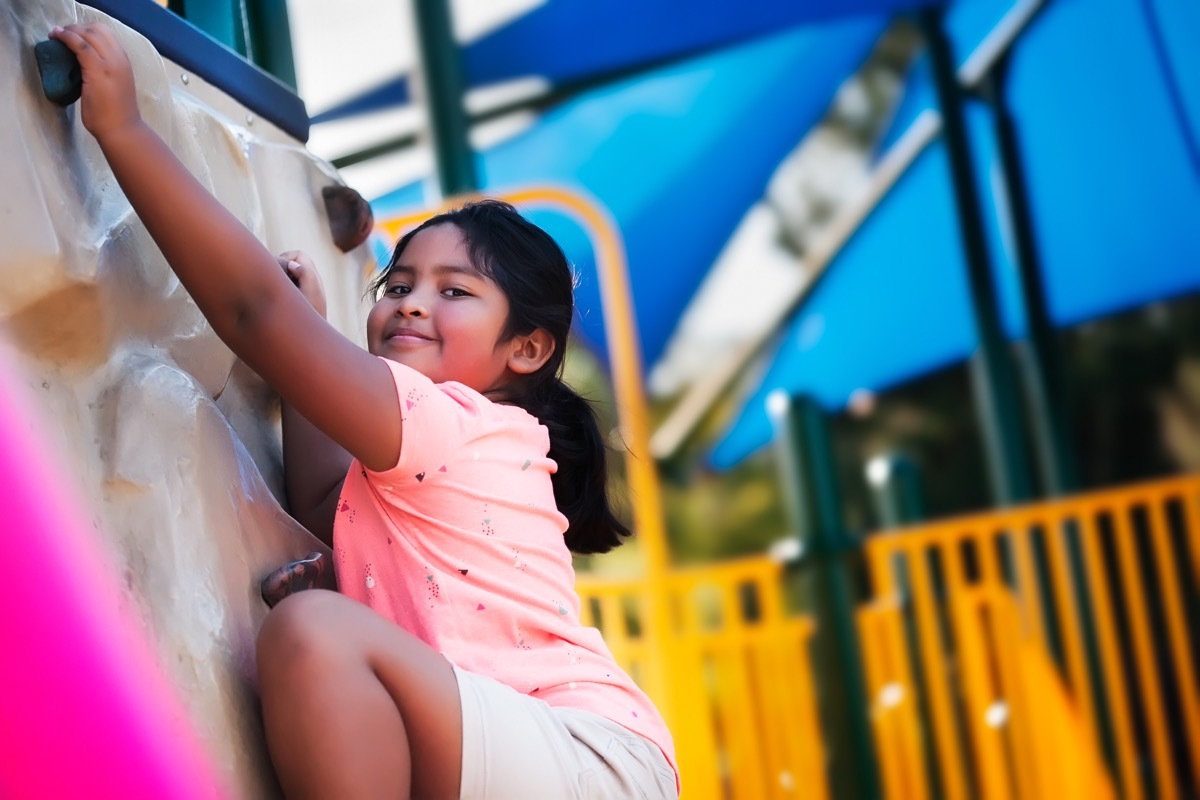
(456, 292)
(397, 289)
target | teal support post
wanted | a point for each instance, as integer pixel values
(270, 36)
(223, 20)
(258, 30)
(809, 471)
(895, 489)
(443, 83)
(1040, 359)
(993, 374)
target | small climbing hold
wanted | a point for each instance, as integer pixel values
(62, 81)
(307, 573)
(350, 217)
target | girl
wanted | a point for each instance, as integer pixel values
(448, 462)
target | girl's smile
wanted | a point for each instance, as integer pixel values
(405, 335)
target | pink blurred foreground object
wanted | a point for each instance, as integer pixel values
(85, 710)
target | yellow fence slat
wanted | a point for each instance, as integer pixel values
(1129, 567)
(904, 708)
(1114, 672)
(1191, 511)
(1064, 589)
(811, 777)
(933, 650)
(869, 622)
(1177, 634)
(1030, 593)
(1004, 628)
(981, 697)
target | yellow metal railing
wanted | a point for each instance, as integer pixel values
(738, 683)
(1036, 651)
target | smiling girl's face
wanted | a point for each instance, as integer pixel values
(440, 315)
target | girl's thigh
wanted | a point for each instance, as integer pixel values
(319, 642)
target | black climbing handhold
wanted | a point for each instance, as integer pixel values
(62, 82)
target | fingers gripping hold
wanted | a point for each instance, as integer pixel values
(106, 83)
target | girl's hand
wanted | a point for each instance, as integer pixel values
(109, 102)
(303, 272)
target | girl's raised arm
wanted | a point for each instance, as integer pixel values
(234, 279)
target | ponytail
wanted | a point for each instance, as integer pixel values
(580, 484)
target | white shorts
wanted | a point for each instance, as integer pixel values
(516, 747)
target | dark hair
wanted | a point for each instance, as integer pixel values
(532, 271)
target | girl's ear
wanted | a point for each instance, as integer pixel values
(528, 352)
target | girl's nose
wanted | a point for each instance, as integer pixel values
(411, 306)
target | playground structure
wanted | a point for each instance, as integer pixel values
(162, 447)
(1045, 650)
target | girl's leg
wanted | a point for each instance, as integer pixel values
(354, 706)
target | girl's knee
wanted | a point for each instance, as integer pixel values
(299, 630)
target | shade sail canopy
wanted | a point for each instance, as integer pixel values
(566, 41)
(894, 304)
(1109, 151)
(1104, 104)
(677, 156)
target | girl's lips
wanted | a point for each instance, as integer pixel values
(405, 335)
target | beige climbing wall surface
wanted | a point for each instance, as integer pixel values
(169, 443)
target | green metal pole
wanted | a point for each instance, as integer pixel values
(256, 29)
(996, 393)
(270, 35)
(895, 489)
(1045, 386)
(442, 73)
(1041, 362)
(806, 461)
(223, 20)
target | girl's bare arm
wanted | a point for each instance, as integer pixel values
(314, 466)
(314, 469)
(237, 284)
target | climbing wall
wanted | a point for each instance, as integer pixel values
(169, 444)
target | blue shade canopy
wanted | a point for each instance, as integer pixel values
(567, 41)
(677, 156)
(893, 304)
(1109, 150)
(1104, 112)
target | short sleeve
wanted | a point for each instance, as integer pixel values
(436, 419)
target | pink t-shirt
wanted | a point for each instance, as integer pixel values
(461, 544)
